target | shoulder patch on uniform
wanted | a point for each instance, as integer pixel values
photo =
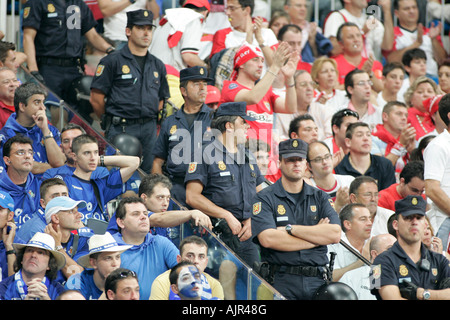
(192, 167)
(376, 271)
(26, 12)
(99, 70)
(256, 208)
(332, 203)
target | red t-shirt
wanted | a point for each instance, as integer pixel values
(262, 111)
(5, 112)
(344, 67)
(388, 196)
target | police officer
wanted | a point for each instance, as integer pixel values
(135, 87)
(181, 136)
(294, 222)
(53, 41)
(224, 181)
(408, 269)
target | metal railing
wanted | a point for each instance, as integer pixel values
(249, 285)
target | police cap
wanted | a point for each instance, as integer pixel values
(233, 109)
(293, 148)
(140, 18)
(194, 73)
(410, 205)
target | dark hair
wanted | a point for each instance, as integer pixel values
(412, 169)
(352, 127)
(392, 66)
(444, 108)
(121, 211)
(390, 105)
(295, 123)
(346, 213)
(417, 153)
(19, 138)
(173, 276)
(81, 140)
(192, 239)
(390, 228)
(395, 4)
(52, 270)
(339, 116)
(25, 92)
(255, 145)
(349, 82)
(248, 3)
(412, 54)
(288, 27)
(358, 181)
(4, 48)
(73, 126)
(50, 183)
(220, 122)
(117, 275)
(342, 26)
(149, 182)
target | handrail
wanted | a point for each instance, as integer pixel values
(253, 280)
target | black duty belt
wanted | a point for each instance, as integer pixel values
(123, 121)
(299, 270)
(61, 62)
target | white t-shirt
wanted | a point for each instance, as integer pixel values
(359, 280)
(373, 38)
(115, 25)
(182, 20)
(437, 167)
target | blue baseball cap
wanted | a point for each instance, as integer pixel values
(61, 203)
(6, 201)
(411, 205)
(233, 109)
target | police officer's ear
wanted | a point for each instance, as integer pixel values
(395, 224)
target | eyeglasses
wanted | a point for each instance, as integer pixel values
(22, 152)
(320, 159)
(232, 8)
(362, 83)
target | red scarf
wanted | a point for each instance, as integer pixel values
(427, 122)
(385, 136)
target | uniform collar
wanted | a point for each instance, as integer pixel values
(203, 109)
(398, 250)
(282, 193)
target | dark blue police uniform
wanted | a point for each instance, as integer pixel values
(394, 266)
(296, 274)
(179, 143)
(60, 27)
(229, 181)
(381, 169)
(133, 95)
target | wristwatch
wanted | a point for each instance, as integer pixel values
(426, 295)
(49, 136)
(57, 248)
(288, 229)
